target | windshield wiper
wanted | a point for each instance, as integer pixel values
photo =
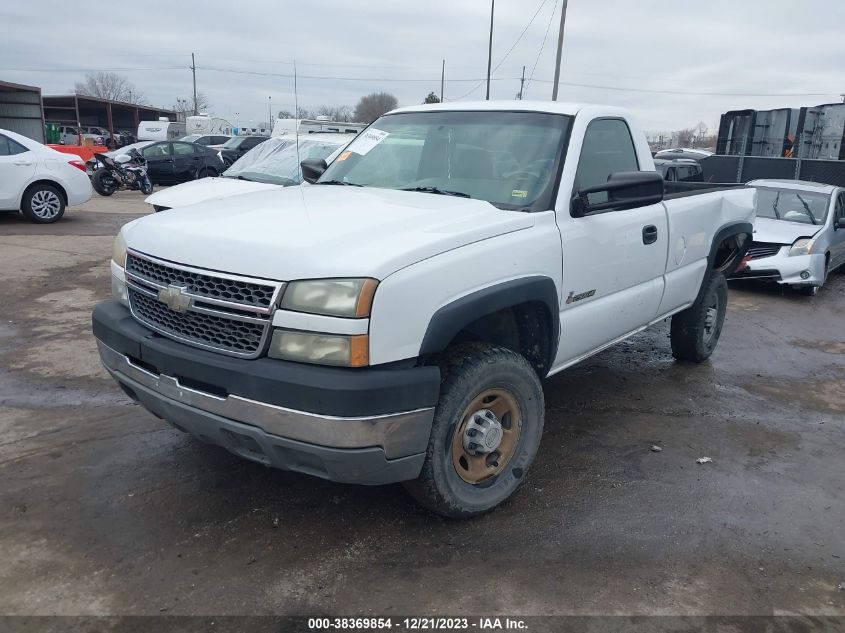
(775, 206)
(438, 191)
(807, 209)
(338, 182)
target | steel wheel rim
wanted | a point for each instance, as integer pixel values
(45, 204)
(476, 469)
(711, 320)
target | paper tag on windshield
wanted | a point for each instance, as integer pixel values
(368, 140)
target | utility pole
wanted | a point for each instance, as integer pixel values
(490, 48)
(521, 83)
(442, 79)
(559, 47)
(194, 72)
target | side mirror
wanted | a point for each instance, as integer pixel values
(840, 223)
(623, 190)
(312, 169)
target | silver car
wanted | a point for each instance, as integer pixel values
(799, 234)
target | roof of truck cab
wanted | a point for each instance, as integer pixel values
(554, 107)
(801, 185)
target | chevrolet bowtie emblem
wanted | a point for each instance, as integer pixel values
(175, 298)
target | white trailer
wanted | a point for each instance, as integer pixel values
(286, 127)
(161, 130)
(207, 124)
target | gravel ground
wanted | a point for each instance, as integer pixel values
(107, 510)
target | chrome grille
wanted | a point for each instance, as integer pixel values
(215, 311)
(202, 284)
(206, 330)
(759, 250)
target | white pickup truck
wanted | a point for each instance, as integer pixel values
(393, 320)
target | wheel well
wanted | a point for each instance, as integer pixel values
(52, 183)
(729, 252)
(524, 328)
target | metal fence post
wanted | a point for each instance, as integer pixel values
(799, 141)
(741, 159)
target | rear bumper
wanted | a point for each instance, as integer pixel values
(366, 426)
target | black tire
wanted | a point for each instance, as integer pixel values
(103, 182)
(695, 331)
(43, 204)
(146, 187)
(469, 371)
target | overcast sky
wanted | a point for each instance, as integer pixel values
(744, 48)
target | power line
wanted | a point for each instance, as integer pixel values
(435, 79)
(542, 46)
(530, 22)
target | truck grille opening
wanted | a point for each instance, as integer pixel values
(205, 330)
(758, 250)
(203, 285)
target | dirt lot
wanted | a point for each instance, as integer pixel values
(107, 510)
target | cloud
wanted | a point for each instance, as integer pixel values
(754, 47)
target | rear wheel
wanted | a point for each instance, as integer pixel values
(695, 331)
(485, 434)
(104, 183)
(43, 204)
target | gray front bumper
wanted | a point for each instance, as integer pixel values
(368, 450)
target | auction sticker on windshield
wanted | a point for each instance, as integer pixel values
(368, 140)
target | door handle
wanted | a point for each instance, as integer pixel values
(23, 163)
(649, 234)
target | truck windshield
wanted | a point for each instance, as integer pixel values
(791, 205)
(510, 159)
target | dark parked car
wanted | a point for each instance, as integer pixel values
(215, 140)
(236, 147)
(680, 170)
(170, 163)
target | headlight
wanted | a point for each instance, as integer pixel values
(118, 253)
(802, 246)
(331, 297)
(325, 349)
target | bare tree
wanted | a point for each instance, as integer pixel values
(373, 105)
(107, 85)
(337, 113)
(186, 106)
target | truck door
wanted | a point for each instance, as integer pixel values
(613, 261)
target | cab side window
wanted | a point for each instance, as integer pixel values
(840, 207)
(608, 148)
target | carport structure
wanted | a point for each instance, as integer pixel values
(114, 116)
(21, 111)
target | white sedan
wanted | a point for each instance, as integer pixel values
(38, 180)
(274, 163)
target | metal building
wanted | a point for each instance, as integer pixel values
(21, 111)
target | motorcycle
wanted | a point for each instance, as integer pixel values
(125, 171)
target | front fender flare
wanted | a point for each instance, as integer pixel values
(455, 316)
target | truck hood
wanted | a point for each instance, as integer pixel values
(319, 231)
(204, 189)
(781, 231)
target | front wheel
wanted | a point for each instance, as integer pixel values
(695, 331)
(43, 204)
(485, 433)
